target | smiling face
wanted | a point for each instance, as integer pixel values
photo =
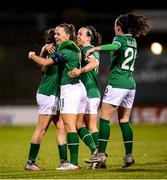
(60, 35)
(82, 37)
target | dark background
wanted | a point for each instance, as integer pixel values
(22, 25)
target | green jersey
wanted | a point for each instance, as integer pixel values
(90, 79)
(70, 59)
(50, 82)
(123, 59)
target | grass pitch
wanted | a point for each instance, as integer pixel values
(150, 153)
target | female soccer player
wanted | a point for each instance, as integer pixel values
(87, 38)
(120, 91)
(48, 103)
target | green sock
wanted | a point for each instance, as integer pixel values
(127, 135)
(85, 135)
(95, 136)
(34, 149)
(62, 151)
(73, 145)
(104, 134)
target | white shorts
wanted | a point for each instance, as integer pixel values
(92, 105)
(73, 98)
(47, 104)
(119, 97)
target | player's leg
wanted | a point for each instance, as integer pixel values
(47, 109)
(61, 139)
(85, 135)
(91, 117)
(124, 112)
(69, 103)
(43, 123)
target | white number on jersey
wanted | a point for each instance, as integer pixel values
(132, 56)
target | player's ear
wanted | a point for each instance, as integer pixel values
(118, 28)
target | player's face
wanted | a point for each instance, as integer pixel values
(60, 35)
(82, 38)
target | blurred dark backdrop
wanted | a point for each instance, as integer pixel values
(21, 29)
